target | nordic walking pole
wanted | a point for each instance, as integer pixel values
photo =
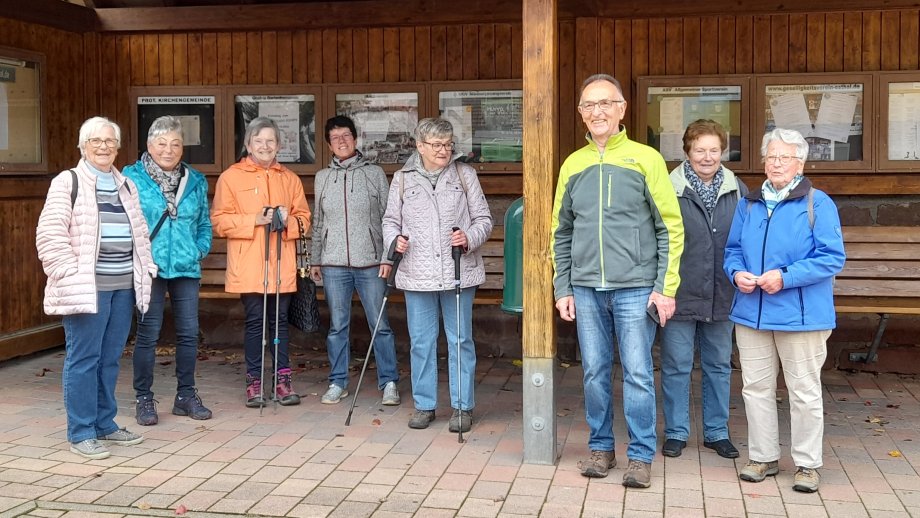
(268, 233)
(278, 227)
(396, 257)
(456, 252)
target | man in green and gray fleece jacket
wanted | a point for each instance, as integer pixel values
(617, 237)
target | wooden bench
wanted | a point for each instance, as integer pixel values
(489, 293)
(881, 275)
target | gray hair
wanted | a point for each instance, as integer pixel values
(433, 128)
(258, 124)
(90, 127)
(163, 125)
(786, 136)
(600, 77)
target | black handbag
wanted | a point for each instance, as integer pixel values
(303, 313)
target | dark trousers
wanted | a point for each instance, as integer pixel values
(252, 342)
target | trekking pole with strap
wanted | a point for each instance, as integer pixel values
(278, 228)
(396, 257)
(456, 252)
(268, 233)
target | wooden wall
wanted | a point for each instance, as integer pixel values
(739, 44)
(22, 281)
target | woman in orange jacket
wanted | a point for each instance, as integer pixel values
(247, 195)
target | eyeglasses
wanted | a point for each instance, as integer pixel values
(98, 142)
(603, 104)
(783, 159)
(270, 143)
(341, 138)
(438, 146)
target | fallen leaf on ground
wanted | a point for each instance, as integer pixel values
(376, 422)
(42, 373)
(868, 403)
(517, 363)
(894, 453)
(143, 505)
(892, 406)
(181, 509)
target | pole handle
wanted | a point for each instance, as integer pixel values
(396, 257)
(456, 252)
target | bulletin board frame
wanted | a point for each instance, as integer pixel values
(23, 87)
(720, 92)
(891, 158)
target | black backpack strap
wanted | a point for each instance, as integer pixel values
(73, 188)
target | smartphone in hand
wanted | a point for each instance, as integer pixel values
(652, 311)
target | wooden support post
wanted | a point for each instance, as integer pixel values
(540, 78)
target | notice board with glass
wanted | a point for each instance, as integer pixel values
(829, 110)
(669, 104)
(899, 121)
(385, 118)
(23, 146)
(487, 118)
(296, 112)
(197, 109)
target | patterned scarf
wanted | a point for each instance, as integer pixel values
(709, 194)
(772, 197)
(167, 180)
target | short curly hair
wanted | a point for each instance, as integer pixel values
(701, 128)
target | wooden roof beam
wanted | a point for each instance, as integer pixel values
(51, 13)
(318, 15)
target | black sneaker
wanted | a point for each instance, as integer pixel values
(460, 421)
(145, 411)
(673, 447)
(192, 407)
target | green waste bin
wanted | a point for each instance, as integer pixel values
(512, 294)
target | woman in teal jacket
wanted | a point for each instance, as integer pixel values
(174, 198)
(783, 251)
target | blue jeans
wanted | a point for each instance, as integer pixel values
(339, 283)
(94, 344)
(252, 339)
(678, 344)
(183, 296)
(600, 314)
(423, 309)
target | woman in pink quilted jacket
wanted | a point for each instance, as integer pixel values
(436, 203)
(93, 245)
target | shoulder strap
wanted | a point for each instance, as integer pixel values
(73, 188)
(811, 207)
(462, 181)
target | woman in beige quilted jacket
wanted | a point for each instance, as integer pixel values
(436, 203)
(93, 245)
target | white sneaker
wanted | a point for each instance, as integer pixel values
(333, 395)
(90, 449)
(391, 394)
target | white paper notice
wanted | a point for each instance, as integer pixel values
(4, 119)
(461, 118)
(672, 146)
(791, 112)
(672, 115)
(904, 126)
(835, 116)
(191, 129)
(286, 115)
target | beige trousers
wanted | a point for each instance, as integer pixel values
(801, 355)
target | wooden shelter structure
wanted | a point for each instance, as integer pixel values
(95, 54)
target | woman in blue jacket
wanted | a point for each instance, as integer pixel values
(174, 198)
(783, 251)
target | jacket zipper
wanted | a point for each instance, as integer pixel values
(345, 199)
(763, 255)
(600, 216)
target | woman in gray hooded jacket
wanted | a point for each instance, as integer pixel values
(436, 203)
(348, 256)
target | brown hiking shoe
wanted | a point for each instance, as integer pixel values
(638, 474)
(757, 471)
(598, 464)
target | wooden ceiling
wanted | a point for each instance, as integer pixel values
(233, 15)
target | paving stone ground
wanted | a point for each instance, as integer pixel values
(303, 462)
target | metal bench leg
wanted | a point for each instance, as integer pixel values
(873, 349)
